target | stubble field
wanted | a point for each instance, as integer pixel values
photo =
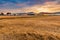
(30, 28)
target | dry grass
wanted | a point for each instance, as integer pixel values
(29, 28)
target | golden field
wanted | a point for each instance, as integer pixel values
(30, 28)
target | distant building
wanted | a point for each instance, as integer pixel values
(50, 14)
(13, 14)
(31, 13)
(20, 14)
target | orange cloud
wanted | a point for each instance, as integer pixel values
(46, 7)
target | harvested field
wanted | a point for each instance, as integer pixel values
(30, 28)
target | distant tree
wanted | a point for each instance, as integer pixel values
(2, 14)
(8, 13)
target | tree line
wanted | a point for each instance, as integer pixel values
(4, 13)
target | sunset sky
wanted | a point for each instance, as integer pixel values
(17, 6)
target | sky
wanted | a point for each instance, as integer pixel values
(17, 6)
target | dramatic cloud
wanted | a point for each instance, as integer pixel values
(29, 6)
